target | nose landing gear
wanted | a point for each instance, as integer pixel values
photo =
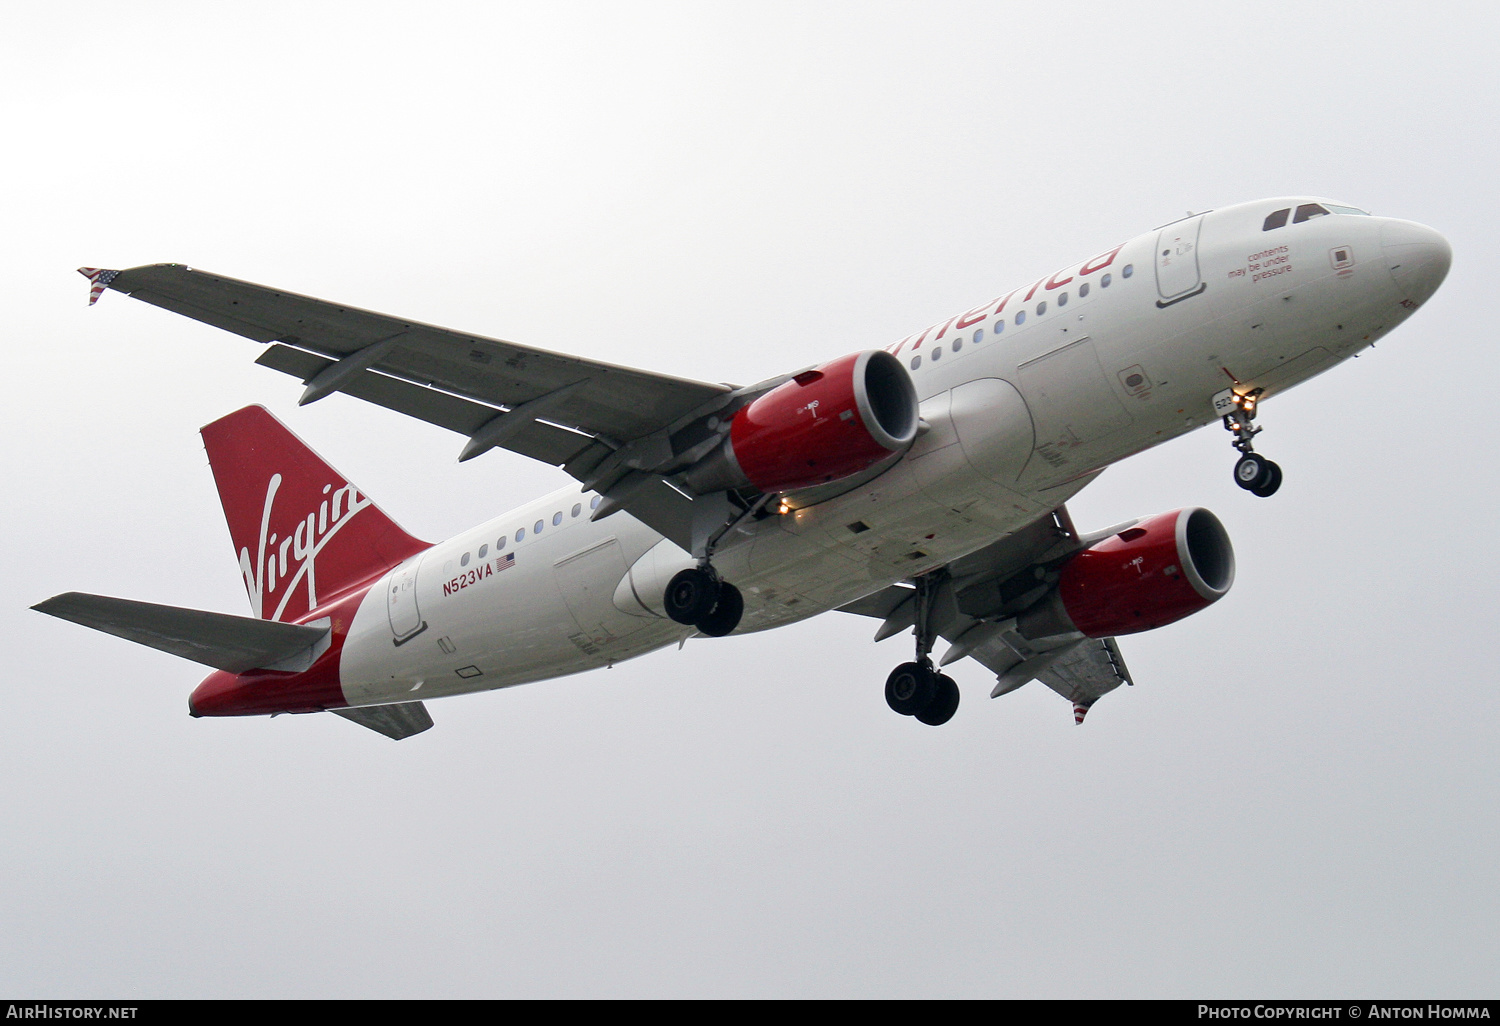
(1254, 473)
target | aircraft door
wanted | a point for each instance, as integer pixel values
(401, 603)
(1178, 275)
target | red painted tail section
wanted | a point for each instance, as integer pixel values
(302, 533)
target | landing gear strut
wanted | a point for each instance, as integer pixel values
(1254, 473)
(917, 688)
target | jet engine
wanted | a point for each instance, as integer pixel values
(1155, 572)
(824, 424)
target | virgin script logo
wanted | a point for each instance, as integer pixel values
(267, 572)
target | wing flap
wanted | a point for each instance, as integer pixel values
(232, 643)
(1087, 672)
(539, 440)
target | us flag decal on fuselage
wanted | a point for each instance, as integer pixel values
(472, 577)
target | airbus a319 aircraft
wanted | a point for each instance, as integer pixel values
(922, 484)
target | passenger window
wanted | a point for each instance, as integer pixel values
(937, 353)
(958, 344)
(520, 533)
(577, 508)
(1308, 211)
(1020, 317)
(557, 518)
(1041, 308)
(484, 550)
(594, 502)
(1104, 281)
(978, 336)
(465, 560)
(536, 528)
(500, 543)
(1083, 290)
(1062, 299)
(916, 361)
(999, 327)
(1276, 219)
(1128, 271)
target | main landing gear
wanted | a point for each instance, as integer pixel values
(917, 688)
(699, 598)
(1254, 473)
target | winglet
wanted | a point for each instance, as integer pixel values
(1079, 712)
(99, 280)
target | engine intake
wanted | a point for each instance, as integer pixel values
(1160, 570)
(825, 424)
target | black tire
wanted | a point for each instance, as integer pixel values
(910, 688)
(691, 596)
(1272, 482)
(944, 703)
(726, 612)
(1252, 471)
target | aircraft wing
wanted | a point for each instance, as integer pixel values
(974, 596)
(560, 409)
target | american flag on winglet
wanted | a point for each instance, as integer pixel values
(99, 280)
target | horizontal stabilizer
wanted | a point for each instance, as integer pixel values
(394, 721)
(232, 643)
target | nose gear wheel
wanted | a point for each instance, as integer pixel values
(1257, 475)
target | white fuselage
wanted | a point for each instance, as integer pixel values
(1025, 399)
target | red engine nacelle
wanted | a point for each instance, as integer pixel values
(1152, 574)
(823, 425)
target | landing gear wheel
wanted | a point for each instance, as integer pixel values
(691, 596)
(726, 612)
(1252, 471)
(944, 703)
(1268, 488)
(910, 688)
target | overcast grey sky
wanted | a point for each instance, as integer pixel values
(1299, 798)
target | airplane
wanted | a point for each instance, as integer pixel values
(922, 484)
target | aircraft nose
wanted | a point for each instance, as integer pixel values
(1418, 257)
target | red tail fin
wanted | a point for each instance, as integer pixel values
(303, 533)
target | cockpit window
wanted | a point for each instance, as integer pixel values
(1277, 219)
(1348, 210)
(1308, 211)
